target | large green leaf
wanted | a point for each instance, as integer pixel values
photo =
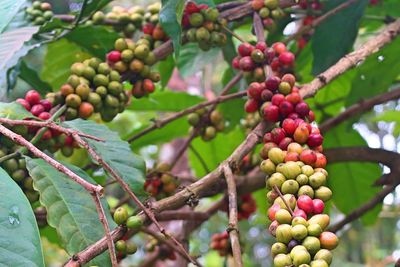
(171, 19)
(166, 68)
(70, 208)
(376, 74)
(115, 152)
(165, 101)
(19, 234)
(58, 60)
(351, 182)
(8, 9)
(13, 111)
(30, 76)
(215, 151)
(336, 35)
(192, 59)
(13, 46)
(101, 39)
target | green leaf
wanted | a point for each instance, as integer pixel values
(115, 152)
(70, 208)
(94, 5)
(19, 234)
(214, 151)
(351, 182)
(101, 39)
(13, 111)
(305, 60)
(192, 59)
(171, 19)
(8, 9)
(166, 68)
(58, 60)
(376, 74)
(165, 101)
(175, 129)
(30, 76)
(336, 35)
(13, 46)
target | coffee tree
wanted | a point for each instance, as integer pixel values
(126, 129)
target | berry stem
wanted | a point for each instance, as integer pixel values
(232, 33)
(276, 189)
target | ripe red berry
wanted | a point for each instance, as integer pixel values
(289, 126)
(148, 85)
(272, 83)
(148, 28)
(245, 49)
(114, 56)
(279, 47)
(24, 103)
(286, 58)
(308, 157)
(283, 144)
(315, 139)
(305, 203)
(272, 211)
(191, 8)
(246, 63)
(277, 135)
(33, 97)
(185, 21)
(290, 156)
(257, 4)
(271, 113)
(293, 116)
(302, 109)
(267, 137)
(285, 108)
(37, 109)
(44, 116)
(266, 95)
(269, 54)
(277, 99)
(254, 90)
(46, 104)
(311, 116)
(261, 46)
(318, 206)
(321, 161)
(251, 106)
(294, 98)
(299, 213)
(275, 64)
(235, 63)
(47, 135)
(289, 78)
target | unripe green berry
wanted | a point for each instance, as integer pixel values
(120, 246)
(134, 222)
(282, 260)
(196, 19)
(120, 215)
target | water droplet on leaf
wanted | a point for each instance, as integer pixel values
(13, 216)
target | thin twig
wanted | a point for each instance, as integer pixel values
(126, 188)
(104, 222)
(233, 216)
(200, 158)
(161, 123)
(306, 28)
(258, 27)
(183, 148)
(276, 189)
(60, 167)
(233, 33)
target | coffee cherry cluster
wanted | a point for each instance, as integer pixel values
(220, 242)
(51, 140)
(252, 59)
(128, 21)
(269, 11)
(201, 25)
(134, 60)
(206, 124)
(311, 6)
(92, 87)
(152, 28)
(39, 13)
(161, 183)
(302, 242)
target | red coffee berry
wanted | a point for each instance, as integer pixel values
(245, 49)
(277, 99)
(289, 78)
(290, 156)
(294, 98)
(293, 116)
(46, 104)
(315, 140)
(285, 108)
(114, 56)
(33, 97)
(37, 109)
(235, 63)
(299, 213)
(254, 90)
(289, 126)
(279, 47)
(271, 113)
(246, 63)
(320, 161)
(272, 211)
(267, 137)
(272, 83)
(286, 58)
(24, 103)
(266, 95)
(308, 157)
(277, 135)
(302, 109)
(44, 116)
(148, 28)
(318, 206)
(269, 54)
(191, 8)
(305, 203)
(261, 45)
(283, 144)
(251, 106)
